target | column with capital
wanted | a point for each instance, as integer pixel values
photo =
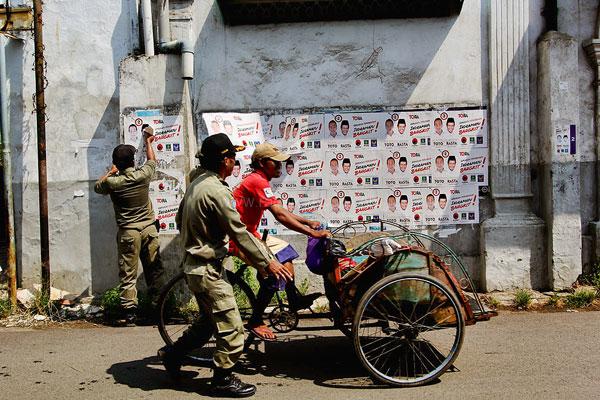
(512, 242)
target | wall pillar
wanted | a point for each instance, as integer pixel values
(513, 240)
(558, 121)
(592, 48)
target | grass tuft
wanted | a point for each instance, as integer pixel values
(522, 299)
(582, 297)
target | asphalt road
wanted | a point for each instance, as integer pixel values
(514, 356)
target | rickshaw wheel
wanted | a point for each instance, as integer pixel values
(408, 329)
(283, 319)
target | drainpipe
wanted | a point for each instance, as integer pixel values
(147, 27)
(166, 45)
(7, 177)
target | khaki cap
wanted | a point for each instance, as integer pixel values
(267, 150)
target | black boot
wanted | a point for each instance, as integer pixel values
(226, 384)
(172, 361)
(127, 317)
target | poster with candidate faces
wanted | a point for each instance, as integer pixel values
(459, 128)
(168, 185)
(407, 152)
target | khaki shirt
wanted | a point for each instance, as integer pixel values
(207, 218)
(129, 193)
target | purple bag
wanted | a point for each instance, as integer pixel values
(315, 255)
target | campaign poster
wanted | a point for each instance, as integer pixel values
(366, 169)
(397, 132)
(165, 213)
(473, 166)
(421, 163)
(463, 204)
(167, 182)
(310, 204)
(286, 131)
(311, 133)
(397, 206)
(339, 207)
(242, 129)
(343, 131)
(446, 166)
(168, 137)
(339, 171)
(274, 227)
(462, 128)
(419, 126)
(301, 171)
(395, 169)
(368, 206)
(417, 202)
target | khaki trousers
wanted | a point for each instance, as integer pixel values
(219, 314)
(134, 245)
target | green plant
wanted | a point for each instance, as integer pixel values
(303, 286)
(41, 305)
(522, 299)
(190, 310)
(493, 302)
(593, 277)
(111, 302)
(553, 301)
(582, 297)
(5, 308)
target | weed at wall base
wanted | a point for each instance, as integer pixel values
(522, 299)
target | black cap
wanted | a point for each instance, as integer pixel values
(218, 147)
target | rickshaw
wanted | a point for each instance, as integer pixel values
(403, 297)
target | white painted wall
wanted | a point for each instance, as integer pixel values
(422, 62)
(84, 44)
(335, 64)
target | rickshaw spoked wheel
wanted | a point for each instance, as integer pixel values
(408, 329)
(283, 319)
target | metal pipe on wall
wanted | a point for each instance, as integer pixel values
(147, 27)
(11, 259)
(40, 107)
(166, 45)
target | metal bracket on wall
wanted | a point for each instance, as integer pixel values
(17, 18)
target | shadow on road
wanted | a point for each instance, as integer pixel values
(326, 361)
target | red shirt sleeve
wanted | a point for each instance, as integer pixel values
(262, 192)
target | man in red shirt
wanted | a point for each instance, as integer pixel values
(252, 197)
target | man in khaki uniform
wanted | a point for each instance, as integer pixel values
(137, 237)
(207, 219)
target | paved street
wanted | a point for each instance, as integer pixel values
(514, 356)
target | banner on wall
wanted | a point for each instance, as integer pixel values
(414, 168)
(168, 184)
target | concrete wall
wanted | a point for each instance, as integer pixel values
(84, 44)
(360, 65)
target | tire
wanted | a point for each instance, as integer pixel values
(283, 319)
(408, 329)
(178, 307)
